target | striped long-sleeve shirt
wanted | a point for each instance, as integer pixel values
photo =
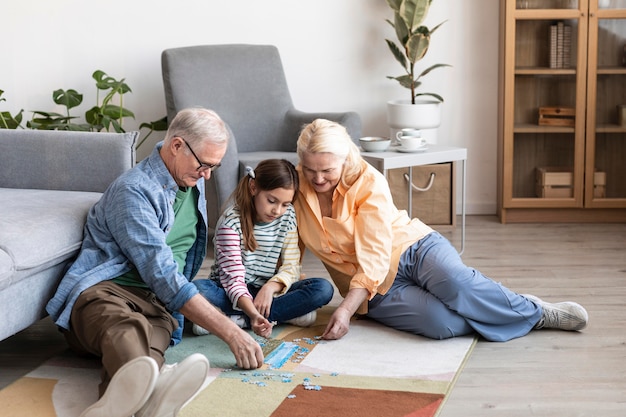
(277, 257)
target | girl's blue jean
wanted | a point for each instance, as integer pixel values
(436, 295)
(302, 297)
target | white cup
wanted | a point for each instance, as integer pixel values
(411, 143)
(410, 139)
(408, 132)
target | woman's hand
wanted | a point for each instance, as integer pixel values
(339, 322)
(338, 325)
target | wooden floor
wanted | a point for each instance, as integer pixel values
(546, 373)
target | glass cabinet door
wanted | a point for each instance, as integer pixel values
(605, 173)
(545, 158)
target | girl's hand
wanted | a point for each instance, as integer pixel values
(265, 296)
(261, 326)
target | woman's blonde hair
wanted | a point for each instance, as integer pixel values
(325, 136)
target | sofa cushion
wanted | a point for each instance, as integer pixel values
(40, 228)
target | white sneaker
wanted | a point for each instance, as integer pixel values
(128, 390)
(176, 385)
(199, 331)
(566, 315)
(237, 319)
(304, 321)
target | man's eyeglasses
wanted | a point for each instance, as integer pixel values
(203, 166)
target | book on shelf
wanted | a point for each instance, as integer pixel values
(560, 45)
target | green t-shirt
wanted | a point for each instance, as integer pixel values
(180, 238)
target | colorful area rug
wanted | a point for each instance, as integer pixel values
(373, 370)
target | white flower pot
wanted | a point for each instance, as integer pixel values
(425, 115)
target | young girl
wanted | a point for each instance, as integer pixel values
(256, 275)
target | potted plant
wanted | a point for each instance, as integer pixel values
(105, 115)
(422, 110)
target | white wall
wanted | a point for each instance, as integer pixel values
(333, 51)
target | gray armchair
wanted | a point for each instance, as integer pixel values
(246, 86)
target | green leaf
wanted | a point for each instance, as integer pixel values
(404, 80)
(394, 4)
(156, 125)
(413, 12)
(10, 122)
(94, 118)
(402, 30)
(417, 46)
(432, 67)
(116, 112)
(437, 96)
(397, 53)
(70, 98)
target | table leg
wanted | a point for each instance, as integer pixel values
(463, 207)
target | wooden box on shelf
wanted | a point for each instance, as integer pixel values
(554, 182)
(557, 116)
(558, 182)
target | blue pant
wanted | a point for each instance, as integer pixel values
(302, 297)
(437, 296)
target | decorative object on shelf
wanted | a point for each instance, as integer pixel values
(557, 116)
(558, 182)
(374, 144)
(555, 182)
(560, 45)
(414, 40)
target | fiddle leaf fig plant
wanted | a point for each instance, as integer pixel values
(413, 42)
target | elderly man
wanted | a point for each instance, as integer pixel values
(144, 241)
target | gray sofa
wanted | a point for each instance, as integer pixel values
(48, 182)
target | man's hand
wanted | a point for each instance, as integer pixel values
(247, 351)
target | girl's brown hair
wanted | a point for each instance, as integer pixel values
(268, 175)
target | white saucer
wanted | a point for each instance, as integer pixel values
(420, 149)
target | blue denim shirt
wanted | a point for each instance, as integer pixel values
(127, 227)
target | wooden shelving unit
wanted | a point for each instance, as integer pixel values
(593, 85)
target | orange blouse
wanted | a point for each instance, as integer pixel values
(361, 244)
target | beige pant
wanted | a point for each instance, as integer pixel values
(118, 324)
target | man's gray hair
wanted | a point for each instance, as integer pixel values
(197, 125)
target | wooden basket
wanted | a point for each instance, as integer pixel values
(557, 116)
(434, 205)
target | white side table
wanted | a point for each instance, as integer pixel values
(435, 154)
